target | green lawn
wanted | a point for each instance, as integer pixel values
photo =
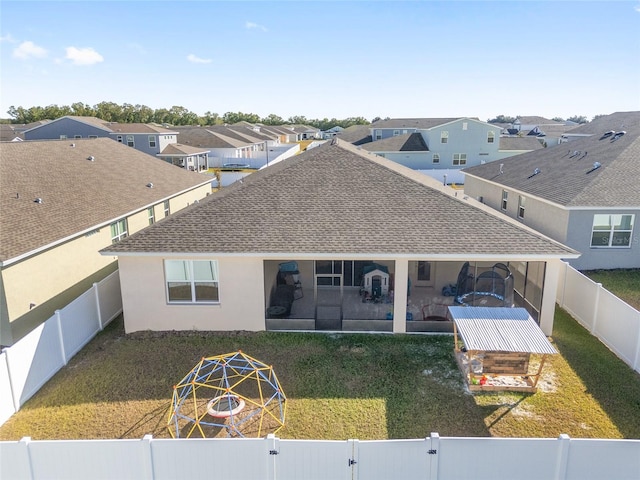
(338, 387)
(625, 284)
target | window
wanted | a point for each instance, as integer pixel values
(167, 209)
(396, 133)
(435, 158)
(77, 136)
(465, 125)
(191, 281)
(612, 230)
(490, 137)
(93, 136)
(444, 136)
(505, 197)
(151, 215)
(63, 137)
(521, 201)
(119, 138)
(118, 230)
(130, 140)
(378, 134)
(152, 141)
(459, 158)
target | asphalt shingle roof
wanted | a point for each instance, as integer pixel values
(520, 143)
(337, 199)
(77, 193)
(422, 123)
(563, 177)
(408, 142)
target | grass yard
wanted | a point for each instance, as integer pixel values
(338, 387)
(625, 284)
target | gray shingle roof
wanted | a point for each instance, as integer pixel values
(207, 137)
(412, 122)
(179, 149)
(408, 142)
(563, 177)
(77, 194)
(337, 199)
(520, 143)
(120, 128)
(356, 134)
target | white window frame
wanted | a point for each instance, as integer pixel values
(167, 208)
(505, 200)
(63, 137)
(491, 137)
(131, 141)
(465, 125)
(151, 215)
(459, 159)
(435, 158)
(396, 133)
(93, 136)
(188, 270)
(444, 136)
(521, 205)
(152, 141)
(614, 230)
(77, 136)
(119, 138)
(377, 134)
(119, 230)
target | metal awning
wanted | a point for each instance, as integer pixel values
(500, 329)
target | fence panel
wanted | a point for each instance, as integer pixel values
(34, 360)
(597, 459)
(7, 407)
(405, 459)
(79, 322)
(617, 326)
(14, 461)
(197, 458)
(110, 298)
(314, 460)
(90, 459)
(497, 458)
(577, 289)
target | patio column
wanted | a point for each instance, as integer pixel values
(400, 296)
(549, 294)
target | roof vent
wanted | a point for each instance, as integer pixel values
(596, 165)
(91, 158)
(38, 200)
(617, 135)
(575, 154)
(607, 134)
(150, 185)
(501, 169)
(535, 172)
(73, 145)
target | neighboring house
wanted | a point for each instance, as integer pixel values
(305, 132)
(584, 194)
(287, 249)
(64, 200)
(332, 132)
(8, 133)
(548, 132)
(356, 134)
(185, 156)
(147, 138)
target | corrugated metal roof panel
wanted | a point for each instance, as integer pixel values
(500, 329)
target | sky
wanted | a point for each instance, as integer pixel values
(325, 59)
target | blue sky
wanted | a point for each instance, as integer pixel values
(325, 59)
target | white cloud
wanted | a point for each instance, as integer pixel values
(28, 50)
(83, 56)
(252, 25)
(8, 38)
(192, 58)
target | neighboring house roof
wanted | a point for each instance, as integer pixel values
(77, 194)
(536, 120)
(567, 175)
(408, 142)
(423, 123)
(206, 137)
(356, 134)
(8, 133)
(520, 143)
(118, 128)
(93, 121)
(249, 134)
(337, 199)
(179, 149)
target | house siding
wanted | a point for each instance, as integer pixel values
(64, 126)
(144, 298)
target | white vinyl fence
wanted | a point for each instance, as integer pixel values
(32, 361)
(271, 458)
(614, 322)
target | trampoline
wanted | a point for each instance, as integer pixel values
(491, 288)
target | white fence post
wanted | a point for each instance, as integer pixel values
(355, 458)
(273, 450)
(434, 452)
(596, 306)
(636, 360)
(26, 441)
(563, 456)
(58, 314)
(146, 442)
(16, 402)
(96, 291)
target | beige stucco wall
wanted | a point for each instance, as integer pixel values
(145, 306)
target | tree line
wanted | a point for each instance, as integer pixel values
(176, 115)
(576, 119)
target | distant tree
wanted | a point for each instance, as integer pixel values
(234, 117)
(109, 111)
(375, 119)
(558, 119)
(210, 118)
(578, 119)
(502, 119)
(142, 114)
(298, 120)
(598, 116)
(273, 119)
(82, 110)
